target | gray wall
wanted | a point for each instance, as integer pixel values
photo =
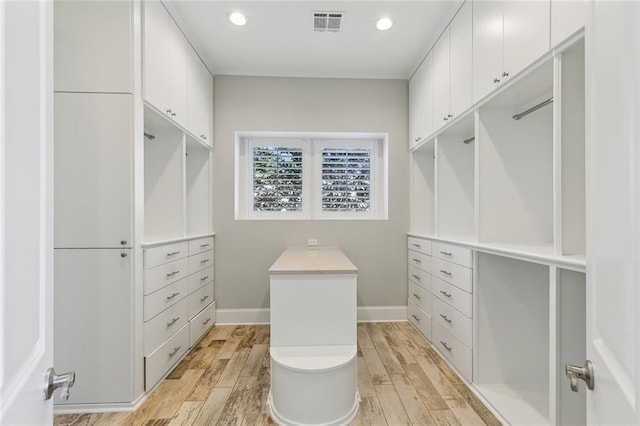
(245, 249)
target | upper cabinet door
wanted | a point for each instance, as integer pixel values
(487, 47)
(156, 56)
(441, 114)
(526, 33)
(421, 102)
(200, 99)
(93, 174)
(93, 46)
(460, 61)
(567, 17)
(178, 60)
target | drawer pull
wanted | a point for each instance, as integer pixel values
(204, 278)
(444, 317)
(173, 253)
(445, 293)
(417, 296)
(175, 351)
(416, 277)
(447, 347)
(446, 253)
(202, 299)
(204, 245)
(415, 317)
(445, 272)
(173, 295)
(170, 274)
(173, 321)
(204, 261)
(417, 260)
(416, 245)
(205, 322)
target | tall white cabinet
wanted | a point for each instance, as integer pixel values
(502, 187)
(127, 177)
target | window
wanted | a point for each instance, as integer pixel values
(302, 177)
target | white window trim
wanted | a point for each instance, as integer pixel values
(312, 143)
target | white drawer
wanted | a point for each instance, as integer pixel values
(199, 299)
(200, 245)
(160, 361)
(453, 321)
(200, 261)
(420, 319)
(420, 277)
(456, 254)
(420, 297)
(455, 274)
(200, 278)
(162, 254)
(453, 350)
(163, 325)
(418, 244)
(459, 299)
(163, 275)
(419, 260)
(201, 323)
(160, 300)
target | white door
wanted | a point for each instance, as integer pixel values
(26, 219)
(613, 211)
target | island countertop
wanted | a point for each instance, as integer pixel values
(323, 260)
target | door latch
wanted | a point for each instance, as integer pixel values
(584, 373)
(53, 381)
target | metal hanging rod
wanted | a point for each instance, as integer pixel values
(149, 136)
(533, 108)
(469, 140)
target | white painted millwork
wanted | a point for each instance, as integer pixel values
(200, 245)
(160, 361)
(421, 103)
(420, 277)
(567, 18)
(162, 326)
(420, 260)
(160, 300)
(201, 323)
(26, 210)
(200, 299)
(420, 319)
(457, 275)
(459, 299)
(440, 52)
(200, 261)
(453, 350)
(157, 277)
(417, 244)
(453, 321)
(613, 329)
(452, 253)
(200, 99)
(165, 253)
(200, 278)
(420, 297)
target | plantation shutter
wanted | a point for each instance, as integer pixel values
(277, 179)
(346, 179)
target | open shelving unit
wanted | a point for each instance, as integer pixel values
(423, 188)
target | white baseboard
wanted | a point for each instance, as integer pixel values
(261, 316)
(100, 408)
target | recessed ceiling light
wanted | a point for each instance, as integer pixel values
(383, 24)
(237, 18)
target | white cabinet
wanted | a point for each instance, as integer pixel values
(93, 170)
(567, 18)
(93, 49)
(507, 37)
(452, 56)
(164, 63)
(421, 103)
(93, 319)
(200, 99)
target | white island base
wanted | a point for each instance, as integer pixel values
(313, 338)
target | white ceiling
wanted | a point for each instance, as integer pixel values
(279, 40)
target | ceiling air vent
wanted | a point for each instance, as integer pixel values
(327, 21)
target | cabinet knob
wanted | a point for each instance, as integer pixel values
(496, 80)
(123, 242)
(168, 111)
(173, 114)
(123, 254)
(449, 116)
(505, 74)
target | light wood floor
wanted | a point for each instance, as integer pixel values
(224, 380)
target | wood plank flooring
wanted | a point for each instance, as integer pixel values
(224, 380)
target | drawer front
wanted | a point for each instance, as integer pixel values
(200, 278)
(163, 275)
(420, 297)
(164, 325)
(201, 324)
(420, 319)
(200, 245)
(160, 361)
(200, 261)
(452, 295)
(158, 255)
(420, 245)
(420, 277)
(452, 321)
(160, 300)
(199, 299)
(419, 260)
(456, 254)
(453, 274)
(453, 350)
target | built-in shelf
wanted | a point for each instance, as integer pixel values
(423, 188)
